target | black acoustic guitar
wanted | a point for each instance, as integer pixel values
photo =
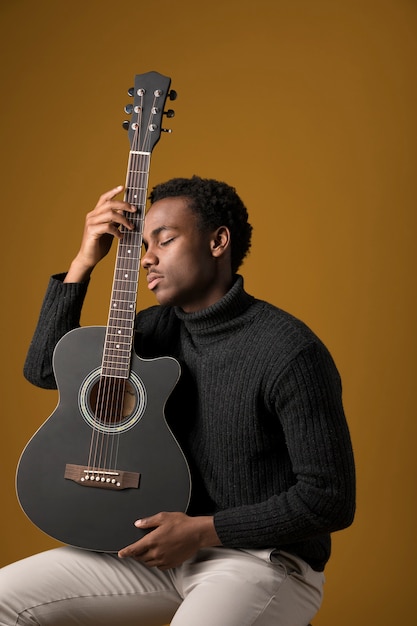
(106, 455)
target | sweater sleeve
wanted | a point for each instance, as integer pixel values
(306, 398)
(60, 313)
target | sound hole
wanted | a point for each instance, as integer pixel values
(112, 405)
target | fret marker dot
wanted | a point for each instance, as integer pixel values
(129, 251)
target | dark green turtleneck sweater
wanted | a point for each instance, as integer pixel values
(258, 413)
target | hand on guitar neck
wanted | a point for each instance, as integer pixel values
(102, 224)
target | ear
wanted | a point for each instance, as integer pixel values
(220, 241)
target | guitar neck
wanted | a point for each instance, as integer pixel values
(122, 311)
(150, 93)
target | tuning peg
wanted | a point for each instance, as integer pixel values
(169, 113)
(131, 92)
(126, 124)
(172, 95)
(129, 109)
(166, 130)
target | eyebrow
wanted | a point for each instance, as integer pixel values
(158, 230)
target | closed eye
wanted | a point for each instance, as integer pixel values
(166, 241)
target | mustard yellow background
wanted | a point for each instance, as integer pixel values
(309, 109)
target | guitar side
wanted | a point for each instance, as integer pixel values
(99, 516)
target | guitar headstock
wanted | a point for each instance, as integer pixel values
(149, 94)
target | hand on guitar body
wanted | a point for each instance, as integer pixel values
(101, 226)
(173, 538)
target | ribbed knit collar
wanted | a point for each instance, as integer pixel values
(219, 315)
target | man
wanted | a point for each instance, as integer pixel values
(258, 414)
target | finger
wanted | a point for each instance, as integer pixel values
(109, 195)
(148, 522)
(108, 198)
(108, 217)
(137, 549)
(131, 551)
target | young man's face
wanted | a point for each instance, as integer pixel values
(182, 271)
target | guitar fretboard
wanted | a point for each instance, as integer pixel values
(120, 327)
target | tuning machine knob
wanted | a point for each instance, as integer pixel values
(172, 95)
(169, 113)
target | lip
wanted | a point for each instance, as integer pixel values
(153, 280)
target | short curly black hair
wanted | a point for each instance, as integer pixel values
(216, 204)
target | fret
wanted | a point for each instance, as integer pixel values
(119, 342)
(120, 297)
(115, 371)
(122, 339)
(120, 310)
(118, 349)
(116, 337)
(121, 306)
(136, 172)
(122, 300)
(118, 363)
(131, 259)
(115, 325)
(114, 358)
(114, 362)
(135, 188)
(115, 321)
(133, 245)
(120, 324)
(125, 286)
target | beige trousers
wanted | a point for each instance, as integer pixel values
(218, 587)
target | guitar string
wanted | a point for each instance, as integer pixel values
(115, 398)
(131, 241)
(105, 385)
(113, 389)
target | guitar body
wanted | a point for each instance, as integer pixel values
(97, 514)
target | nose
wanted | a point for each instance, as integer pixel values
(148, 259)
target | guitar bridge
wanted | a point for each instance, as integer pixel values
(115, 480)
